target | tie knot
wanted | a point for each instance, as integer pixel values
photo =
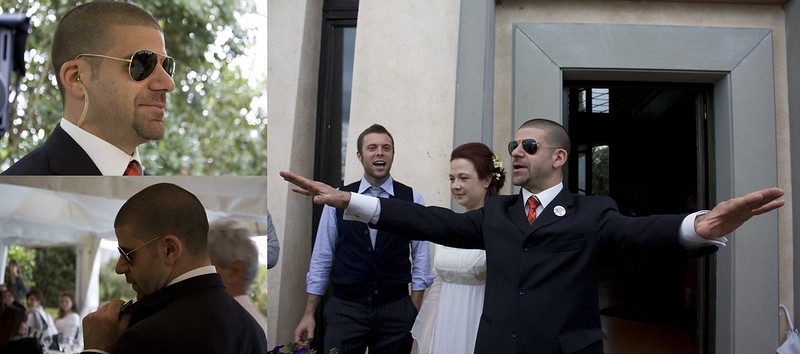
(375, 191)
(133, 169)
(533, 201)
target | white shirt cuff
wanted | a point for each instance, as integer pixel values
(363, 208)
(689, 237)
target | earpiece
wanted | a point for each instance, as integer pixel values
(85, 101)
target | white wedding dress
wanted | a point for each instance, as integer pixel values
(450, 314)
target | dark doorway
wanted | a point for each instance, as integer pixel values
(645, 145)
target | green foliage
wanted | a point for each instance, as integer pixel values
(54, 273)
(113, 285)
(213, 127)
(600, 170)
(258, 291)
(51, 270)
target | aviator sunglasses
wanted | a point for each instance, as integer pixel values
(142, 63)
(127, 255)
(529, 145)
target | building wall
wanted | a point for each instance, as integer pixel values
(405, 78)
(788, 262)
(293, 36)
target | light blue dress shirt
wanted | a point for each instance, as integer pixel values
(319, 270)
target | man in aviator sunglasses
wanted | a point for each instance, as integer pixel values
(181, 303)
(543, 244)
(114, 74)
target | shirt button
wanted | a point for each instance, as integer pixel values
(514, 335)
(522, 291)
(526, 248)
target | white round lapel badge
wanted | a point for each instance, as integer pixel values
(560, 210)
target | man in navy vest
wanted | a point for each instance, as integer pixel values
(368, 270)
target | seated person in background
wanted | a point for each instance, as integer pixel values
(68, 322)
(9, 299)
(40, 323)
(236, 257)
(14, 337)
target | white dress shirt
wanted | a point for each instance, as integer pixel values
(110, 160)
(367, 209)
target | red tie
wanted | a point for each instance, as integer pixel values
(134, 169)
(532, 203)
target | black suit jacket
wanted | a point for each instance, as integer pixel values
(541, 283)
(192, 316)
(60, 155)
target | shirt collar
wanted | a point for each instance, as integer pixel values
(388, 186)
(194, 273)
(546, 196)
(110, 160)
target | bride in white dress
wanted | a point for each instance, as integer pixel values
(450, 314)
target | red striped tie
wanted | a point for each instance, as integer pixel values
(532, 203)
(134, 169)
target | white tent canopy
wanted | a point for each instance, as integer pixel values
(80, 211)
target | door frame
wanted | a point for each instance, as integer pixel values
(739, 63)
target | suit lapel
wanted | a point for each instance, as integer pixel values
(517, 212)
(562, 203)
(66, 157)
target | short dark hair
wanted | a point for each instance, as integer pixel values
(375, 128)
(556, 134)
(36, 294)
(482, 158)
(166, 209)
(87, 29)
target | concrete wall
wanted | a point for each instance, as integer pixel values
(404, 78)
(293, 36)
(789, 263)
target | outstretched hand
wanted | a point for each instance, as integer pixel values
(732, 213)
(321, 192)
